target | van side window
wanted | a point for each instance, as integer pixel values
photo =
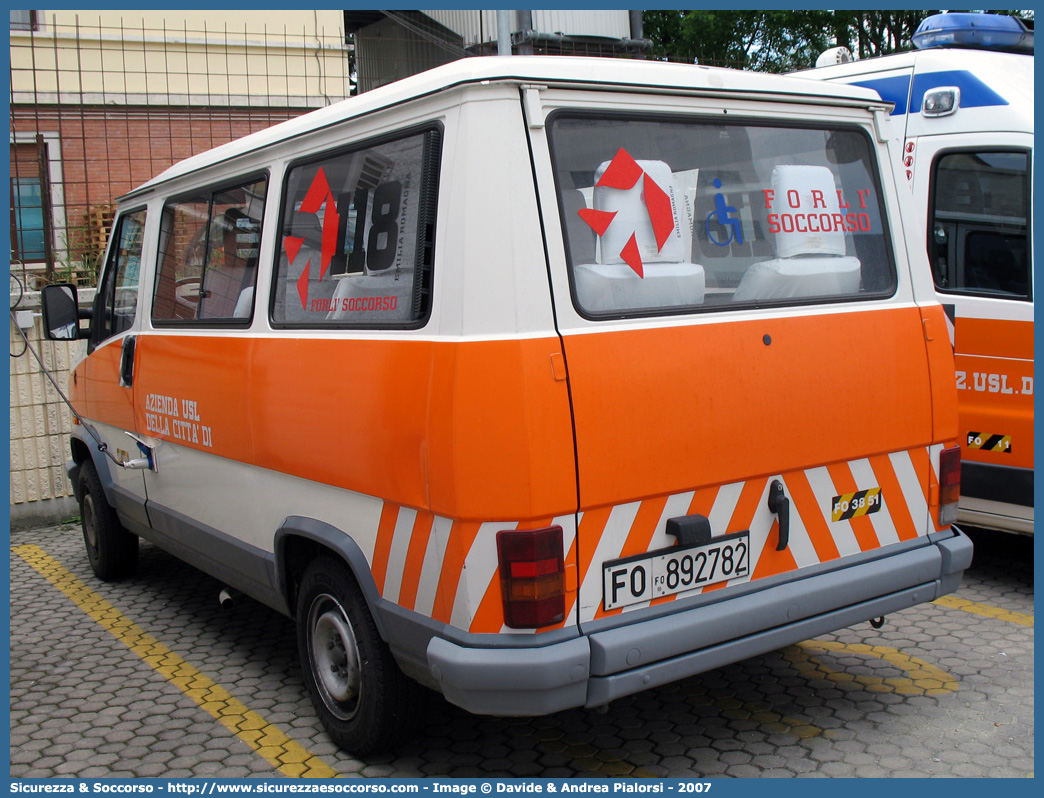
(117, 295)
(356, 241)
(208, 256)
(665, 215)
(979, 211)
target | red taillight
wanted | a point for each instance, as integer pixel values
(949, 485)
(532, 577)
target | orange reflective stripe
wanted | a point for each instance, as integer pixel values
(812, 516)
(703, 501)
(382, 547)
(742, 518)
(644, 527)
(411, 575)
(747, 507)
(489, 615)
(773, 562)
(461, 537)
(592, 525)
(894, 499)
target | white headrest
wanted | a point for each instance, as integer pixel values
(805, 198)
(614, 287)
(632, 216)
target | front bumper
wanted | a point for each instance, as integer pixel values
(628, 657)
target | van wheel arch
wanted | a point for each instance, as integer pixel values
(81, 453)
(300, 540)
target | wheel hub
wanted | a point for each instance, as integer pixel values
(90, 532)
(335, 656)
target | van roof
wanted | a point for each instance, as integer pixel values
(545, 70)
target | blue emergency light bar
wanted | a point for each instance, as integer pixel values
(980, 31)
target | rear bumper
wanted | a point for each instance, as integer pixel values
(1004, 484)
(626, 658)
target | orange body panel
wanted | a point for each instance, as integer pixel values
(711, 404)
(994, 337)
(994, 360)
(95, 388)
(469, 430)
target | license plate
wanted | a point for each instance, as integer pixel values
(675, 570)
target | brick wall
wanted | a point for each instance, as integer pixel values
(105, 153)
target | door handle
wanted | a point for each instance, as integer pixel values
(127, 362)
(779, 504)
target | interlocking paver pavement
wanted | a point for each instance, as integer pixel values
(941, 690)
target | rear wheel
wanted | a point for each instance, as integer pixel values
(362, 698)
(111, 549)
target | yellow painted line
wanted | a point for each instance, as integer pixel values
(1021, 618)
(922, 678)
(267, 739)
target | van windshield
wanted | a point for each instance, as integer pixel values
(670, 215)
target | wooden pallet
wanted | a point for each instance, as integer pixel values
(98, 223)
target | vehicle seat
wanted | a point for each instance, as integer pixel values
(611, 283)
(807, 264)
(234, 270)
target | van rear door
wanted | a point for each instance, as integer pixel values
(744, 353)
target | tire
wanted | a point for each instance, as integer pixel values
(111, 549)
(363, 700)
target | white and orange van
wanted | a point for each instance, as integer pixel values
(963, 110)
(536, 381)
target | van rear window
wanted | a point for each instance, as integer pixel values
(668, 215)
(357, 236)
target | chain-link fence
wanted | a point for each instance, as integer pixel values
(103, 101)
(100, 105)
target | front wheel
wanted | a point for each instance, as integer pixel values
(364, 701)
(111, 549)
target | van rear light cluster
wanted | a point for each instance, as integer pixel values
(949, 485)
(532, 577)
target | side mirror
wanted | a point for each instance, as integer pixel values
(61, 313)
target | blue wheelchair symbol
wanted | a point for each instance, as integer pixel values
(722, 214)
